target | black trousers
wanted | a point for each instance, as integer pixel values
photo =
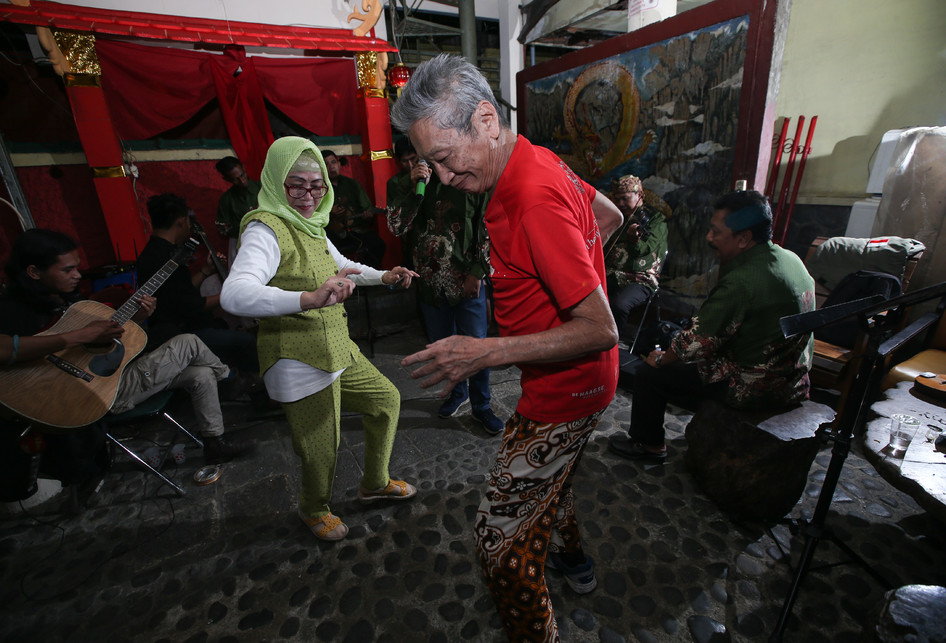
(678, 383)
(624, 300)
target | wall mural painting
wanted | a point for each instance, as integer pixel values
(668, 113)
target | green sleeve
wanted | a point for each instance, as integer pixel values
(716, 322)
(657, 241)
(475, 251)
(364, 203)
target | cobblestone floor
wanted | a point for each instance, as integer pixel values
(231, 561)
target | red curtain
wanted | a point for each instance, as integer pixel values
(320, 95)
(153, 89)
(241, 102)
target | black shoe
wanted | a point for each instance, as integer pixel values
(626, 447)
(449, 408)
(218, 450)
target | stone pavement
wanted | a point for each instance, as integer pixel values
(230, 561)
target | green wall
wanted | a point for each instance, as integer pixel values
(863, 67)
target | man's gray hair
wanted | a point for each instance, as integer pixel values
(446, 90)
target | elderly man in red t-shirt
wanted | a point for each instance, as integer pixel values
(546, 228)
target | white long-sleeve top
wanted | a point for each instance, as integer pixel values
(246, 293)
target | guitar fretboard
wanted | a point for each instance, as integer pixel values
(127, 310)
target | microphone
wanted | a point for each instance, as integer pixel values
(421, 186)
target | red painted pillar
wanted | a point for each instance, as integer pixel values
(103, 153)
(377, 147)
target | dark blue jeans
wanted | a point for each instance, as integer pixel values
(468, 318)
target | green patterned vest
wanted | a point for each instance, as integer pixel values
(318, 337)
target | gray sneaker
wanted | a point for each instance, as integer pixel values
(580, 578)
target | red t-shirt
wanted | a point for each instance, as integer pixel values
(545, 258)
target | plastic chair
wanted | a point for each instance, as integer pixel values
(152, 407)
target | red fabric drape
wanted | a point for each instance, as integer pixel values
(318, 94)
(153, 89)
(241, 102)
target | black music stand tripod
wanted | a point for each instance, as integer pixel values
(868, 310)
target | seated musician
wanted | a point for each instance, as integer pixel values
(734, 350)
(353, 227)
(181, 308)
(633, 263)
(42, 281)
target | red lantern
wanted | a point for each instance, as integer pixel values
(398, 75)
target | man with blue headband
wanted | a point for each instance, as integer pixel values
(734, 350)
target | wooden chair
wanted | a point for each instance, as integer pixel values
(930, 360)
(835, 367)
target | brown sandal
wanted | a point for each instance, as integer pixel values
(327, 527)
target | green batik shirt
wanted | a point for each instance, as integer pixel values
(235, 203)
(446, 238)
(638, 262)
(735, 336)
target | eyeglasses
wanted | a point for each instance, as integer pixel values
(299, 191)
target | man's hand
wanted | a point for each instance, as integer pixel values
(97, 332)
(452, 359)
(420, 172)
(634, 232)
(399, 276)
(148, 304)
(471, 287)
(335, 290)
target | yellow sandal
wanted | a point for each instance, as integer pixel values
(394, 490)
(327, 527)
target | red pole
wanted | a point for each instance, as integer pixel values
(770, 186)
(801, 170)
(786, 182)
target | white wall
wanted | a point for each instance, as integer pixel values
(863, 67)
(331, 14)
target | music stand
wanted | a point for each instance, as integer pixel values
(877, 349)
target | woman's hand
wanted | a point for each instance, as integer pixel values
(335, 290)
(399, 276)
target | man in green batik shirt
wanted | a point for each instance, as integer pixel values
(352, 226)
(238, 200)
(734, 350)
(446, 239)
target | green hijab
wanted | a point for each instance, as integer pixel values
(280, 158)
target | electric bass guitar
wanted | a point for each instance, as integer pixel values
(77, 386)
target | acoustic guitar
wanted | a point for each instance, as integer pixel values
(77, 386)
(933, 386)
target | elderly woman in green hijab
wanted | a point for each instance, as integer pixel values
(289, 275)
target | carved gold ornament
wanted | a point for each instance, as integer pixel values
(372, 11)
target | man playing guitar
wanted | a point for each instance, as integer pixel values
(43, 277)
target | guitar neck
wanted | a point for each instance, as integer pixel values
(218, 265)
(127, 310)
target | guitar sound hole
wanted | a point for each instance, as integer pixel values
(105, 364)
